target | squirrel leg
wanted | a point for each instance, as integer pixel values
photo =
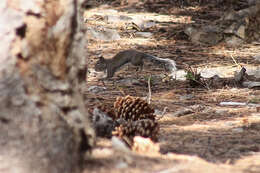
(110, 73)
(140, 66)
(139, 69)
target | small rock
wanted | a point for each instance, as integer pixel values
(211, 72)
(254, 71)
(203, 35)
(236, 30)
(251, 84)
(182, 112)
(221, 111)
(104, 34)
(143, 24)
(96, 89)
(186, 97)
(148, 24)
(144, 34)
(233, 41)
(130, 82)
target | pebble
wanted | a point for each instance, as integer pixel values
(221, 111)
(96, 89)
(186, 97)
(144, 34)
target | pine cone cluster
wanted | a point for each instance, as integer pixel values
(132, 108)
(138, 117)
(145, 128)
(130, 117)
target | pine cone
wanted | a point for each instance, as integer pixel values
(133, 108)
(130, 129)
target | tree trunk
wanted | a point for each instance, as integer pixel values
(43, 123)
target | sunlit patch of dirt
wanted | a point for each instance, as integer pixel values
(214, 140)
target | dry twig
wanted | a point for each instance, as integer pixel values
(149, 90)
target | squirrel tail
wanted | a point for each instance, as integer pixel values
(169, 64)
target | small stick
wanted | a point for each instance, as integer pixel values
(235, 61)
(120, 90)
(149, 90)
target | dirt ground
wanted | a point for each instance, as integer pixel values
(209, 138)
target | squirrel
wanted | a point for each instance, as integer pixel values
(134, 57)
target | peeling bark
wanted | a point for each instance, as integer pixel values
(43, 122)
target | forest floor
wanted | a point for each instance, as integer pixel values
(208, 138)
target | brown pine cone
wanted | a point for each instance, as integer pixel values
(133, 108)
(130, 129)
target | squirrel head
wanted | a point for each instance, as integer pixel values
(101, 64)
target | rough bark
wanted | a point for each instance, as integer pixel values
(43, 124)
